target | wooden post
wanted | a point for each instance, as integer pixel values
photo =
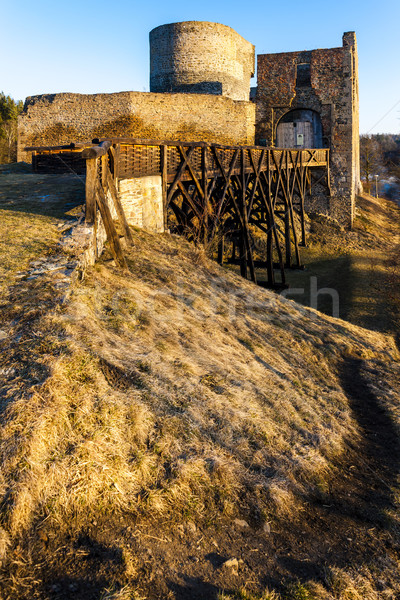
(117, 154)
(90, 190)
(221, 248)
(104, 168)
(112, 234)
(288, 243)
(246, 234)
(118, 206)
(164, 182)
(296, 246)
(204, 152)
(302, 193)
(269, 259)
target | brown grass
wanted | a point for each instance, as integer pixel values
(363, 266)
(182, 393)
(31, 206)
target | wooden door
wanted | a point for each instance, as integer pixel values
(306, 130)
(295, 135)
(285, 135)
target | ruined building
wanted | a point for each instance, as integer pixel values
(200, 91)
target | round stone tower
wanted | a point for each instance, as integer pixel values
(197, 57)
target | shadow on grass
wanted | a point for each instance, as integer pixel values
(380, 450)
(363, 286)
(194, 588)
(47, 195)
(350, 524)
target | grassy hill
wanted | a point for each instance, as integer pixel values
(178, 432)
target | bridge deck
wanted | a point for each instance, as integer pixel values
(138, 158)
(210, 191)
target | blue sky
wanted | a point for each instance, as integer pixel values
(89, 46)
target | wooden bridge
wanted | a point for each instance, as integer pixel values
(211, 193)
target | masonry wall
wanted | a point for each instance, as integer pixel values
(200, 57)
(333, 94)
(54, 119)
(142, 202)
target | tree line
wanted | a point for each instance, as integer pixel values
(380, 156)
(9, 111)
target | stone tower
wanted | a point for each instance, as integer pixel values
(310, 99)
(198, 57)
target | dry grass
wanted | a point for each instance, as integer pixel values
(39, 238)
(184, 393)
(363, 266)
(339, 584)
(31, 206)
(243, 594)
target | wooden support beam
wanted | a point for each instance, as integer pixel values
(96, 151)
(189, 167)
(104, 168)
(247, 241)
(204, 184)
(190, 201)
(111, 232)
(164, 183)
(179, 174)
(226, 190)
(117, 158)
(118, 206)
(90, 190)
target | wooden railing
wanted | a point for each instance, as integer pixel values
(100, 183)
(138, 158)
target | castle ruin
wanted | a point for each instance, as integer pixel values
(200, 91)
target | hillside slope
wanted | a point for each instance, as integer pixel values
(362, 265)
(163, 422)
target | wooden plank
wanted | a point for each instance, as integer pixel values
(69, 147)
(96, 151)
(90, 190)
(111, 232)
(164, 183)
(249, 252)
(118, 207)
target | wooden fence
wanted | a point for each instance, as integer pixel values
(211, 193)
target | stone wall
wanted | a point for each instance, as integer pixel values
(333, 93)
(54, 119)
(141, 199)
(200, 57)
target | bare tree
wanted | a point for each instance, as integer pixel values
(371, 159)
(9, 129)
(9, 111)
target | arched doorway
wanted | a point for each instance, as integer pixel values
(299, 128)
